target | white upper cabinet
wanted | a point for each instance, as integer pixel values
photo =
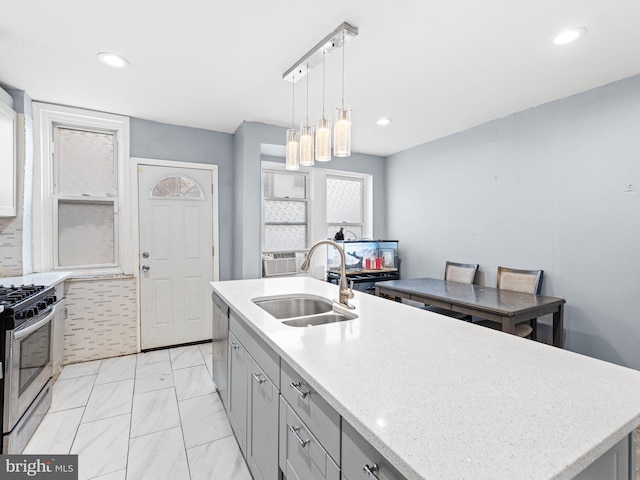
(7, 161)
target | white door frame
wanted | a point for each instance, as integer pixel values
(135, 227)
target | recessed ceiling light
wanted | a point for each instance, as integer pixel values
(112, 60)
(383, 121)
(569, 35)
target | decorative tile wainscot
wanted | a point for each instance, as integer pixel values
(102, 318)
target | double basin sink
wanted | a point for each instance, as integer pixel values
(302, 310)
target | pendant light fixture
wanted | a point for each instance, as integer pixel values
(299, 151)
(342, 126)
(293, 137)
(306, 137)
(323, 126)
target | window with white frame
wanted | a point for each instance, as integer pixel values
(301, 207)
(81, 165)
(285, 211)
(345, 206)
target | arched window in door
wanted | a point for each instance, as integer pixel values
(177, 187)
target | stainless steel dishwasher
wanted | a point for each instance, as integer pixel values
(220, 347)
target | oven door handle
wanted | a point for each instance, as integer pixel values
(23, 332)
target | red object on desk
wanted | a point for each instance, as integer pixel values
(378, 263)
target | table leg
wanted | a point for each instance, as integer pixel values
(507, 325)
(558, 327)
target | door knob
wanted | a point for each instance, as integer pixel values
(145, 268)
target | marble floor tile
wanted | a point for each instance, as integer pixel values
(158, 456)
(153, 376)
(218, 460)
(80, 369)
(183, 357)
(102, 446)
(109, 400)
(203, 420)
(192, 382)
(138, 423)
(116, 369)
(206, 348)
(208, 361)
(152, 357)
(154, 411)
(119, 475)
(71, 392)
(56, 433)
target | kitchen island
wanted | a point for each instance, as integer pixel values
(444, 399)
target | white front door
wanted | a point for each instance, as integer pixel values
(176, 255)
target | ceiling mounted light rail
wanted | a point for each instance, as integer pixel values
(314, 57)
(336, 40)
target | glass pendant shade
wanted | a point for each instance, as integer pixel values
(342, 132)
(306, 145)
(323, 139)
(292, 149)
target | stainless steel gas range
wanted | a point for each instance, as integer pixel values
(25, 353)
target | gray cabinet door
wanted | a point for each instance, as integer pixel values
(301, 455)
(239, 365)
(263, 426)
(360, 461)
(617, 463)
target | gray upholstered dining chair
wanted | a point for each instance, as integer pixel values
(456, 272)
(526, 281)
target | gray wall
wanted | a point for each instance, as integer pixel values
(170, 142)
(248, 138)
(556, 188)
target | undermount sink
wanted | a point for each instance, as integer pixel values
(294, 306)
(302, 310)
(312, 321)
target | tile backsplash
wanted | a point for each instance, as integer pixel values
(11, 246)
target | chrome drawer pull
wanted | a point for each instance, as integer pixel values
(256, 376)
(294, 430)
(296, 387)
(371, 471)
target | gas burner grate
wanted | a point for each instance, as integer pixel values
(12, 294)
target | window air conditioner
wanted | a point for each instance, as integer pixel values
(284, 263)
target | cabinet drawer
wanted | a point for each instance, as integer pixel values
(301, 455)
(314, 411)
(264, 355)
(358, 453)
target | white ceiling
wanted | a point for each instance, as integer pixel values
(434, 66)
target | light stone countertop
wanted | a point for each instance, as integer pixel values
(47, 279)
(445, 399)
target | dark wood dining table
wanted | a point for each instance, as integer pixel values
(504, 306)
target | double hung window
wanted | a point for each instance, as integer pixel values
(345, 206)
(285, 211)
(82, 169)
